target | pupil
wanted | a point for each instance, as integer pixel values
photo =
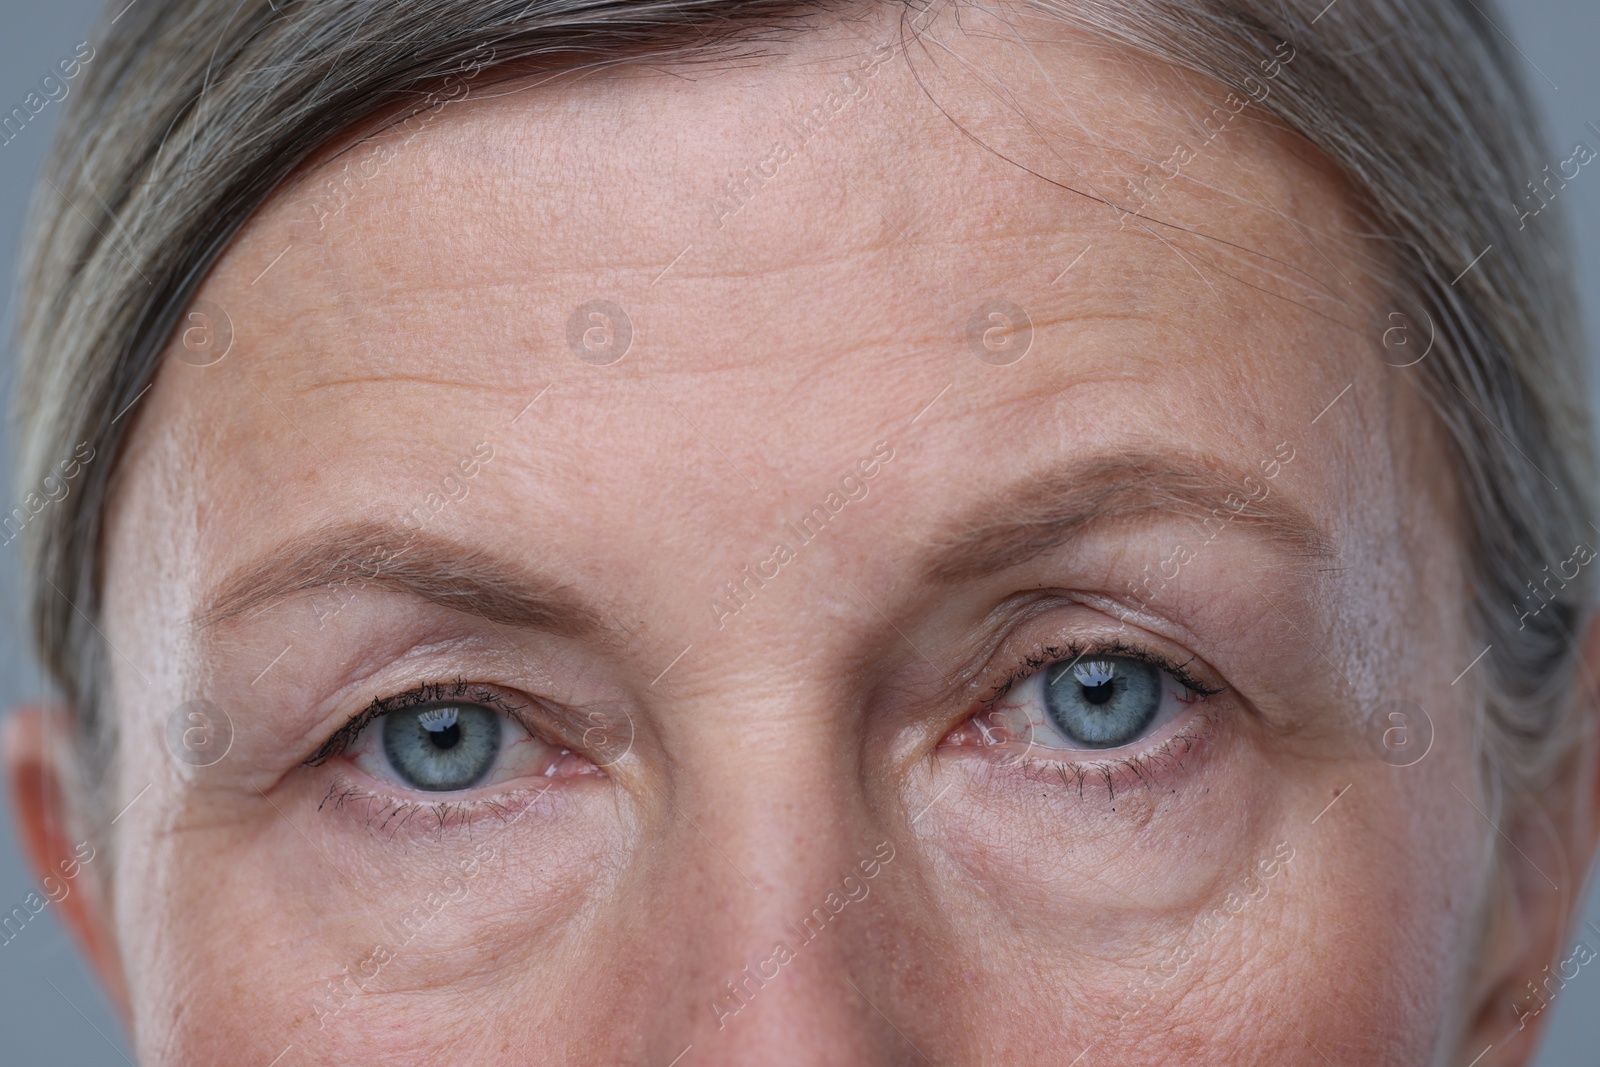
(446, 738)
(1099, 694)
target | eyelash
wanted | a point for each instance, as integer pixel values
(382, 810)
(1073, 650)
(1142, 767)
(429, 693)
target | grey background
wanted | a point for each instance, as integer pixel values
(50, 1009)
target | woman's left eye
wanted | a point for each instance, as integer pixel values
(1085, 703)
(450, 746)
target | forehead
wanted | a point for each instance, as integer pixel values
(787, 259)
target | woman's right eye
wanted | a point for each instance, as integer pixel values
(451, 746)
(1102, 703)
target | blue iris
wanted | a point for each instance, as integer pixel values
(1105, 702)
(442, 747)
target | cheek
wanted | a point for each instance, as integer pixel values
(254, 933)
(1063, 856)
(1231, 918)
(1361, 956)
(1327, 962)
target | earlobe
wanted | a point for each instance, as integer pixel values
(40, 764)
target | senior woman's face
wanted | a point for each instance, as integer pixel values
(666, 601)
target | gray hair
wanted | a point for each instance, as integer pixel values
(193, 111)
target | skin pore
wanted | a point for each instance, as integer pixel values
(762, 804)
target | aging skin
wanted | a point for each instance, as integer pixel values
(799, 805)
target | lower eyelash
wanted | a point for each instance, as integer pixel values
(391, 815)
(1157, 767)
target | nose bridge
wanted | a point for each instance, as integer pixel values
(775, 831)
(791, 953)
(765, 775)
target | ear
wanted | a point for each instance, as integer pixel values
(1532, 948)
(41, 766)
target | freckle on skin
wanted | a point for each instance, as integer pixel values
(1138, 806)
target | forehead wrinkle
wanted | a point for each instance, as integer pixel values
(454, 127)
(496, 391)
(1257, 141)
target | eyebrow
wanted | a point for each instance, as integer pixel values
(1048, 509)
(402, 560)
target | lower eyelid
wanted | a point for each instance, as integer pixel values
(1159, 766)
(381, 812)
